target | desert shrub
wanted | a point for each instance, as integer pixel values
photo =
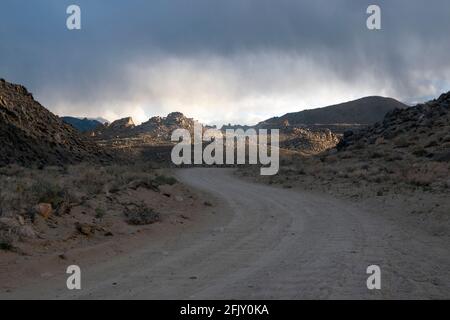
(422, 177)
(45, 191)
(331, 159)
(358, 174)
(394, 157)
(99, 213)
(365, 166)
(432, 143)
(379, 178)
(286, 161)
(14, 194)
(11, 170)
(163, 180)
(419, 180)
(359, 145)
(142, 215)
(402, 142)
(89, 178)
(420, 152)
(376, 155)
(345, 155)
(7, 239)
(2, 203)
(123, 176)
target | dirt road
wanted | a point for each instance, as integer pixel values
(268, 243)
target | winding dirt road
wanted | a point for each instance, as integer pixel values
(269, 243)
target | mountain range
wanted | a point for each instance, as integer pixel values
(33, 135)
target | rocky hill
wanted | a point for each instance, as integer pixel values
(364, 111)
(82, 124)
(157, 128)
(162, 127)
(422, 131)
(308, 141)
(117, 129)
(32, 135)
(408, 147)
(124, 135)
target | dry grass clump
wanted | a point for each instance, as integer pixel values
(21, 188)
(6, 240)
(141, 215)
(24, 192)
(427, 174)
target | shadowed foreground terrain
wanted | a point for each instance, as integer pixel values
(262, 242)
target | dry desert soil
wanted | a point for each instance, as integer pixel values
(254, 242)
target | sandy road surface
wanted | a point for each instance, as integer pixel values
(268, 243)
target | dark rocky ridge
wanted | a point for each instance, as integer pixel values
(32, 135)
(422, 130)
(82, 125)
(361, 112)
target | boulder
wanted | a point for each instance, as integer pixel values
(84, 228)
(45, 210)
(26, 232)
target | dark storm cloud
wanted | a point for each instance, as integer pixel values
(146, 57)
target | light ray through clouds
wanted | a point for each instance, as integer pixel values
(222, 61)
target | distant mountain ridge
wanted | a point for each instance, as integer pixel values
(364, 111)
(82, 124)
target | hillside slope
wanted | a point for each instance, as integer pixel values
(364, 111)
(422, 131)
(32, 135)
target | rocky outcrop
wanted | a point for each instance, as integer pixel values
(309, 141)
(32, 135)
(119, 128)
(422, 131)
(122, 124)
(156, 129)
(161, 128)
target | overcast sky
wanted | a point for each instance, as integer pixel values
(238, 61)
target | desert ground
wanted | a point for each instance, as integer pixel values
(251, 241)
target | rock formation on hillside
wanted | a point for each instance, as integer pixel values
(122, 124)
(162, 127)
(422, 131)
(309, 141)
(32, 135)
(235, 127)
(124, 133)
(119, 128)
